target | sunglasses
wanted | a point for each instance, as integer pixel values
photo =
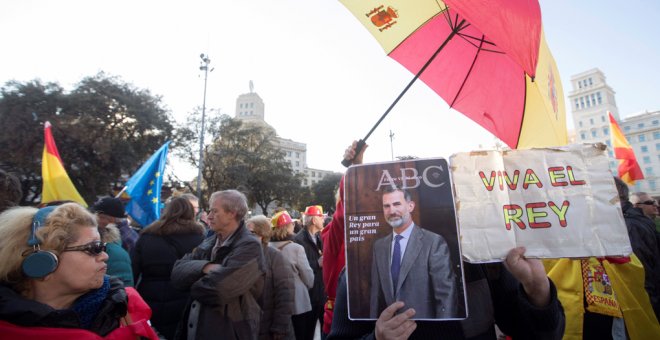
(94, 248)
(648, 202)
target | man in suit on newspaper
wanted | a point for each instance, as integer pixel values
(411, 264)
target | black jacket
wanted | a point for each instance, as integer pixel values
(152, 260)
(644, 242)
(20, 311)
(494, 296)
(313, 252)
(224, 300)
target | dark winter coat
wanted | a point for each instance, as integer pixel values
(153, 258)
(277, 297)
(494, 296)
(224, 301)
(314, 251)
(644, 242)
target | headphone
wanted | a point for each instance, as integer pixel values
(39, 263)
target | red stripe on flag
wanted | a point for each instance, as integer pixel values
(49, 142)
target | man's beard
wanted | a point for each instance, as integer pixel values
(395, 221)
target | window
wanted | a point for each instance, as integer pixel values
(583, 136)
(593, 99)
(655, 122)
(644, 148)
(642, 138)
(580, 84)
(640, 125)
(657, 146)
(593, 133)
(577, 104)
(251, 104)
(288, 153)
(580, 123)
(602, 118)
(648, 171)
(606, 131)
(588, 102)
(626, 128)
(582, 102)
(656, 135)
(610, 153)
(598, 98)
(297, 163)
(305, 181)
(591, 121)
(590, 81)
(647, 159)
(241, 105)
(297, 154)
(652, 184)
(313, 174)
(609, 144)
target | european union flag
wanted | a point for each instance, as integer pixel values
(144, 188)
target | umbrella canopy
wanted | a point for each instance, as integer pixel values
(489, 61)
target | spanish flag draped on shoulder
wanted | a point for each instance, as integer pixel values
(629, 170)
(144, 188)
(57, 185)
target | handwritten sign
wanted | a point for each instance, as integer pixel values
(559, 202)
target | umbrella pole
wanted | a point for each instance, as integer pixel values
(361, 143)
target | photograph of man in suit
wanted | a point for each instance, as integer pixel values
(411, 264)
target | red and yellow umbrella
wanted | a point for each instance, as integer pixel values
(487, 59)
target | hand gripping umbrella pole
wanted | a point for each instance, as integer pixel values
(361, 143)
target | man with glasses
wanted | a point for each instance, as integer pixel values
(643, 240)
(644, 201)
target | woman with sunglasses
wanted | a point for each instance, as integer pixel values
(53, 281)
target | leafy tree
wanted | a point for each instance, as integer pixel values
(323, 192)
(104, 128)
(186, 143)
(245, 156)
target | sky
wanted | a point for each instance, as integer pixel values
(324, 80)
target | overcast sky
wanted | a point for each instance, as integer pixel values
(325, 81)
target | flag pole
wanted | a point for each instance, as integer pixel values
(121, 192)
(204, 67)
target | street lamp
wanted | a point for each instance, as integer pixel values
(203, 66)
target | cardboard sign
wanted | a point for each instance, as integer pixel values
(557, 202)
(402, 210)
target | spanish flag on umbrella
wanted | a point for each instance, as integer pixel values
(57, 185)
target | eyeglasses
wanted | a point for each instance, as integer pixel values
(649, 202)
(94, 248)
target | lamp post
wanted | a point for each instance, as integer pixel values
(204, 66)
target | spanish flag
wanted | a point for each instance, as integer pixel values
(57, 184)
(629, 170)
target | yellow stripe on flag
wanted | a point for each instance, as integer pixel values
(544, 123)
(57, 185)
(391, 24)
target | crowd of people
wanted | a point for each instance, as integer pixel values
(70, 272)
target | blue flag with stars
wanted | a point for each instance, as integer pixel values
(144, 188)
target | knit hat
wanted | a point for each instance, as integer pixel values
(280, 219)
(314, 210)
(109, 206)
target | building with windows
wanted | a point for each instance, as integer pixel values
(251, 108)
(591, 98)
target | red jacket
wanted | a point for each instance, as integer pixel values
(334, 256)
(138, 310)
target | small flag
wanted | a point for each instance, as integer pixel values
(144, 188)
(57, 185)
(629, 170)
